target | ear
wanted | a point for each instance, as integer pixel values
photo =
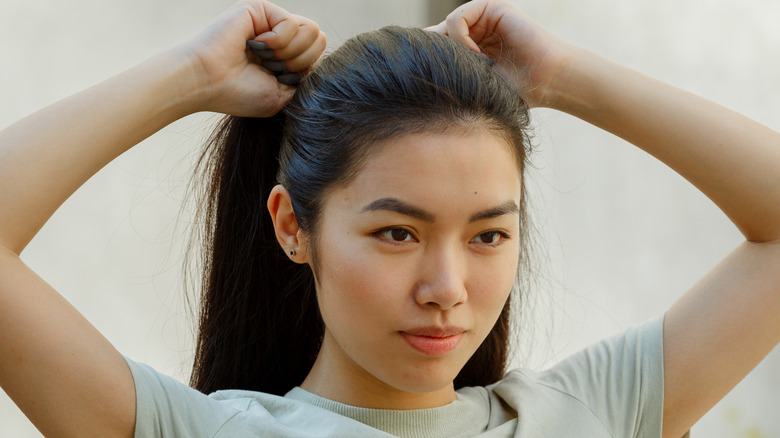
(288, 233)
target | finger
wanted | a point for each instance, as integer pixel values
(307, 33)
(308, 57)
(264, 15)
(260, 49)
(458, 23)
(289, 78)
(273, 102)
(280, 26)
(274, 66)
(438, 28)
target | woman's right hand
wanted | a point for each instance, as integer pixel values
(60, 371)
(228, 81)
(529, 55)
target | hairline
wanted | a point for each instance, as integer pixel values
(473, 124)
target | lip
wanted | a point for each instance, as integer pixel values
(433, 341)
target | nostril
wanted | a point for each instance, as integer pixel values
(440, 295)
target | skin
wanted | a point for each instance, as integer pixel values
(721, 329)
(70, 381)
(384, 271)
(49, 154)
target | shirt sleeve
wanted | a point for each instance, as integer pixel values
(621, 380)
(166, 407)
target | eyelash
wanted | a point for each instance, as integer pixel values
(383, 235)
(502, 235)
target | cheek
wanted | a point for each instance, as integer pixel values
(355, 285)
(491, 283)
(362, 289)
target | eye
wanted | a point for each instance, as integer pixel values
(395, 235)
(493, 238)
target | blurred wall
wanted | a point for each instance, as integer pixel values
(621, 236)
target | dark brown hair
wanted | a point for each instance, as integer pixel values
(260, 327)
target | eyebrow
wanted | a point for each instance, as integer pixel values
(509, 207)
(398, 206)
(401, 207)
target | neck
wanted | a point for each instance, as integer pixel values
(336, 377)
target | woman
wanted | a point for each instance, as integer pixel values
(414, 249)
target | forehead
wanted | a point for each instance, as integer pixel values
(449, 172)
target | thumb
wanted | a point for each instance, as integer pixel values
(438, 28)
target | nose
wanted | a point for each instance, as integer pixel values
(442, 280)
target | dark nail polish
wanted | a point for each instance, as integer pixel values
(260, 49)
(274, 66)
(256, 45)
(264, 54)
(289, 78)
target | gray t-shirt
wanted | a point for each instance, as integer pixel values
(613, 389)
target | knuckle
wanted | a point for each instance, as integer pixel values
(307, 33)
(305, 22)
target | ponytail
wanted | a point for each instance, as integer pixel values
(259, 323)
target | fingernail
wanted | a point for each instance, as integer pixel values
(274, 66)
(256, 45)
(289, 78)
(262, 53)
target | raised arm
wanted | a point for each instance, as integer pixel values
(728, 322)
(57, 368)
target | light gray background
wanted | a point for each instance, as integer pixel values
(622, 236)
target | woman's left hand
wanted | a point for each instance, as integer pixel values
(501, 32)
(722, 328)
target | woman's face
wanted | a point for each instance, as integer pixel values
(417, 257)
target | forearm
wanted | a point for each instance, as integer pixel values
(45, 157)
(732, 159)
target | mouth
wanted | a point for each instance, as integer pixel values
(433, 341)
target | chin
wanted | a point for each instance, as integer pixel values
(425, 378)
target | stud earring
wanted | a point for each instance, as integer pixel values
(292, 253)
